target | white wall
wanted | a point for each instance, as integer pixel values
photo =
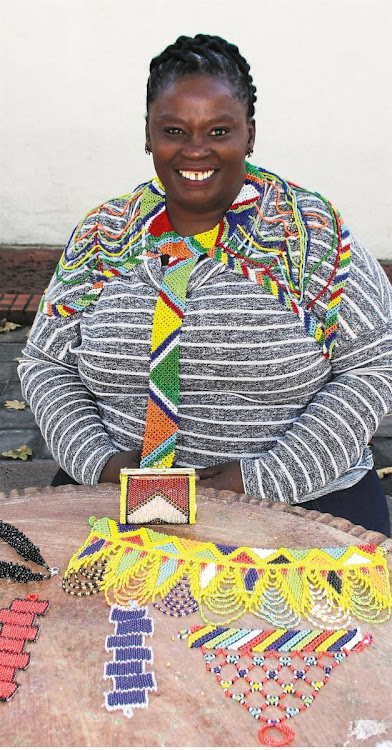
(73, 76)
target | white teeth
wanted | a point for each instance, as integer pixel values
(198, 176)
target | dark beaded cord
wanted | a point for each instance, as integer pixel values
(94, 575)
(26, 549)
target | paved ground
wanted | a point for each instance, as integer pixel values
(26, 271)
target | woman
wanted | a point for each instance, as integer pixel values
(213, 316)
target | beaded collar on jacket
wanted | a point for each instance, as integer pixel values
(265, 237)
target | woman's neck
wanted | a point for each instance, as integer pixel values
(187, 224)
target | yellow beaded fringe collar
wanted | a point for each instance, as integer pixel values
(280, 585)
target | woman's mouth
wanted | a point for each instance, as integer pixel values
(196, 176)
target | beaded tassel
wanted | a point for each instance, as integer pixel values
(28, 551)
(17, 628)
(131, 682)
(179, 601)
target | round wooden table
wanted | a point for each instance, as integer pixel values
(60, 699)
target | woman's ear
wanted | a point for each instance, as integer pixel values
(251, 134)
(148, 140)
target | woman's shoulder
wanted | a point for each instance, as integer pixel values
(308, 221)
(312, 234)
(285, 187)
(104, 227)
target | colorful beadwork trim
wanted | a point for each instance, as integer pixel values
(17, 628)
(274, 687)
(279, 585)
(280, 247)
(158, 496)
(131, 682)
(282, 640)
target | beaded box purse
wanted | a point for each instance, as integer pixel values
(157, 496)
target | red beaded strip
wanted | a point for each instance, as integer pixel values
(17, 627)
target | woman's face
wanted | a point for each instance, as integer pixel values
(199, 135)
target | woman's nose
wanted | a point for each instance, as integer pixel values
(196, 146)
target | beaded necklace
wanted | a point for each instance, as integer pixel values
(22, 544)
(224, 582)
(270, 251)
(275, 686)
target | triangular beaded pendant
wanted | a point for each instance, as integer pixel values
(274, 686)
(179, 600)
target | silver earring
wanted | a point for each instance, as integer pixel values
(249, 152)
(147, 150)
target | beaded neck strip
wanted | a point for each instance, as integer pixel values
(22, 544)
(324, 585)
(273, 253)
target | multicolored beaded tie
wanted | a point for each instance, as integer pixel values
(273, 253)
(164, 392)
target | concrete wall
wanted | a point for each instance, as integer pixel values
(73, 87)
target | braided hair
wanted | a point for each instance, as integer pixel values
(203, 54)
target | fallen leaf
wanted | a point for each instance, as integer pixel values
(23, 453)
(17, 359)
(383, 472)
(6, 325)
(15, 404)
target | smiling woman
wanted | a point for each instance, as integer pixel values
(217, 317)
(199, 135)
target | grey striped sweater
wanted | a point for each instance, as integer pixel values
(254, 385)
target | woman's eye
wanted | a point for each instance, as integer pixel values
(219, 131)
(174, 131)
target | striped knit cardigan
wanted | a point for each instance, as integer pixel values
(285, 349)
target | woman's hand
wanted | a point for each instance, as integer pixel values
(227, 476)
(123, 460)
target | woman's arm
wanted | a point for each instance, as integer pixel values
(331, 434)
(65, 410)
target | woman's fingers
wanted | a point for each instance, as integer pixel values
(227, 476)
(210, 471)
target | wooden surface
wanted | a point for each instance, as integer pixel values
(60, 699)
